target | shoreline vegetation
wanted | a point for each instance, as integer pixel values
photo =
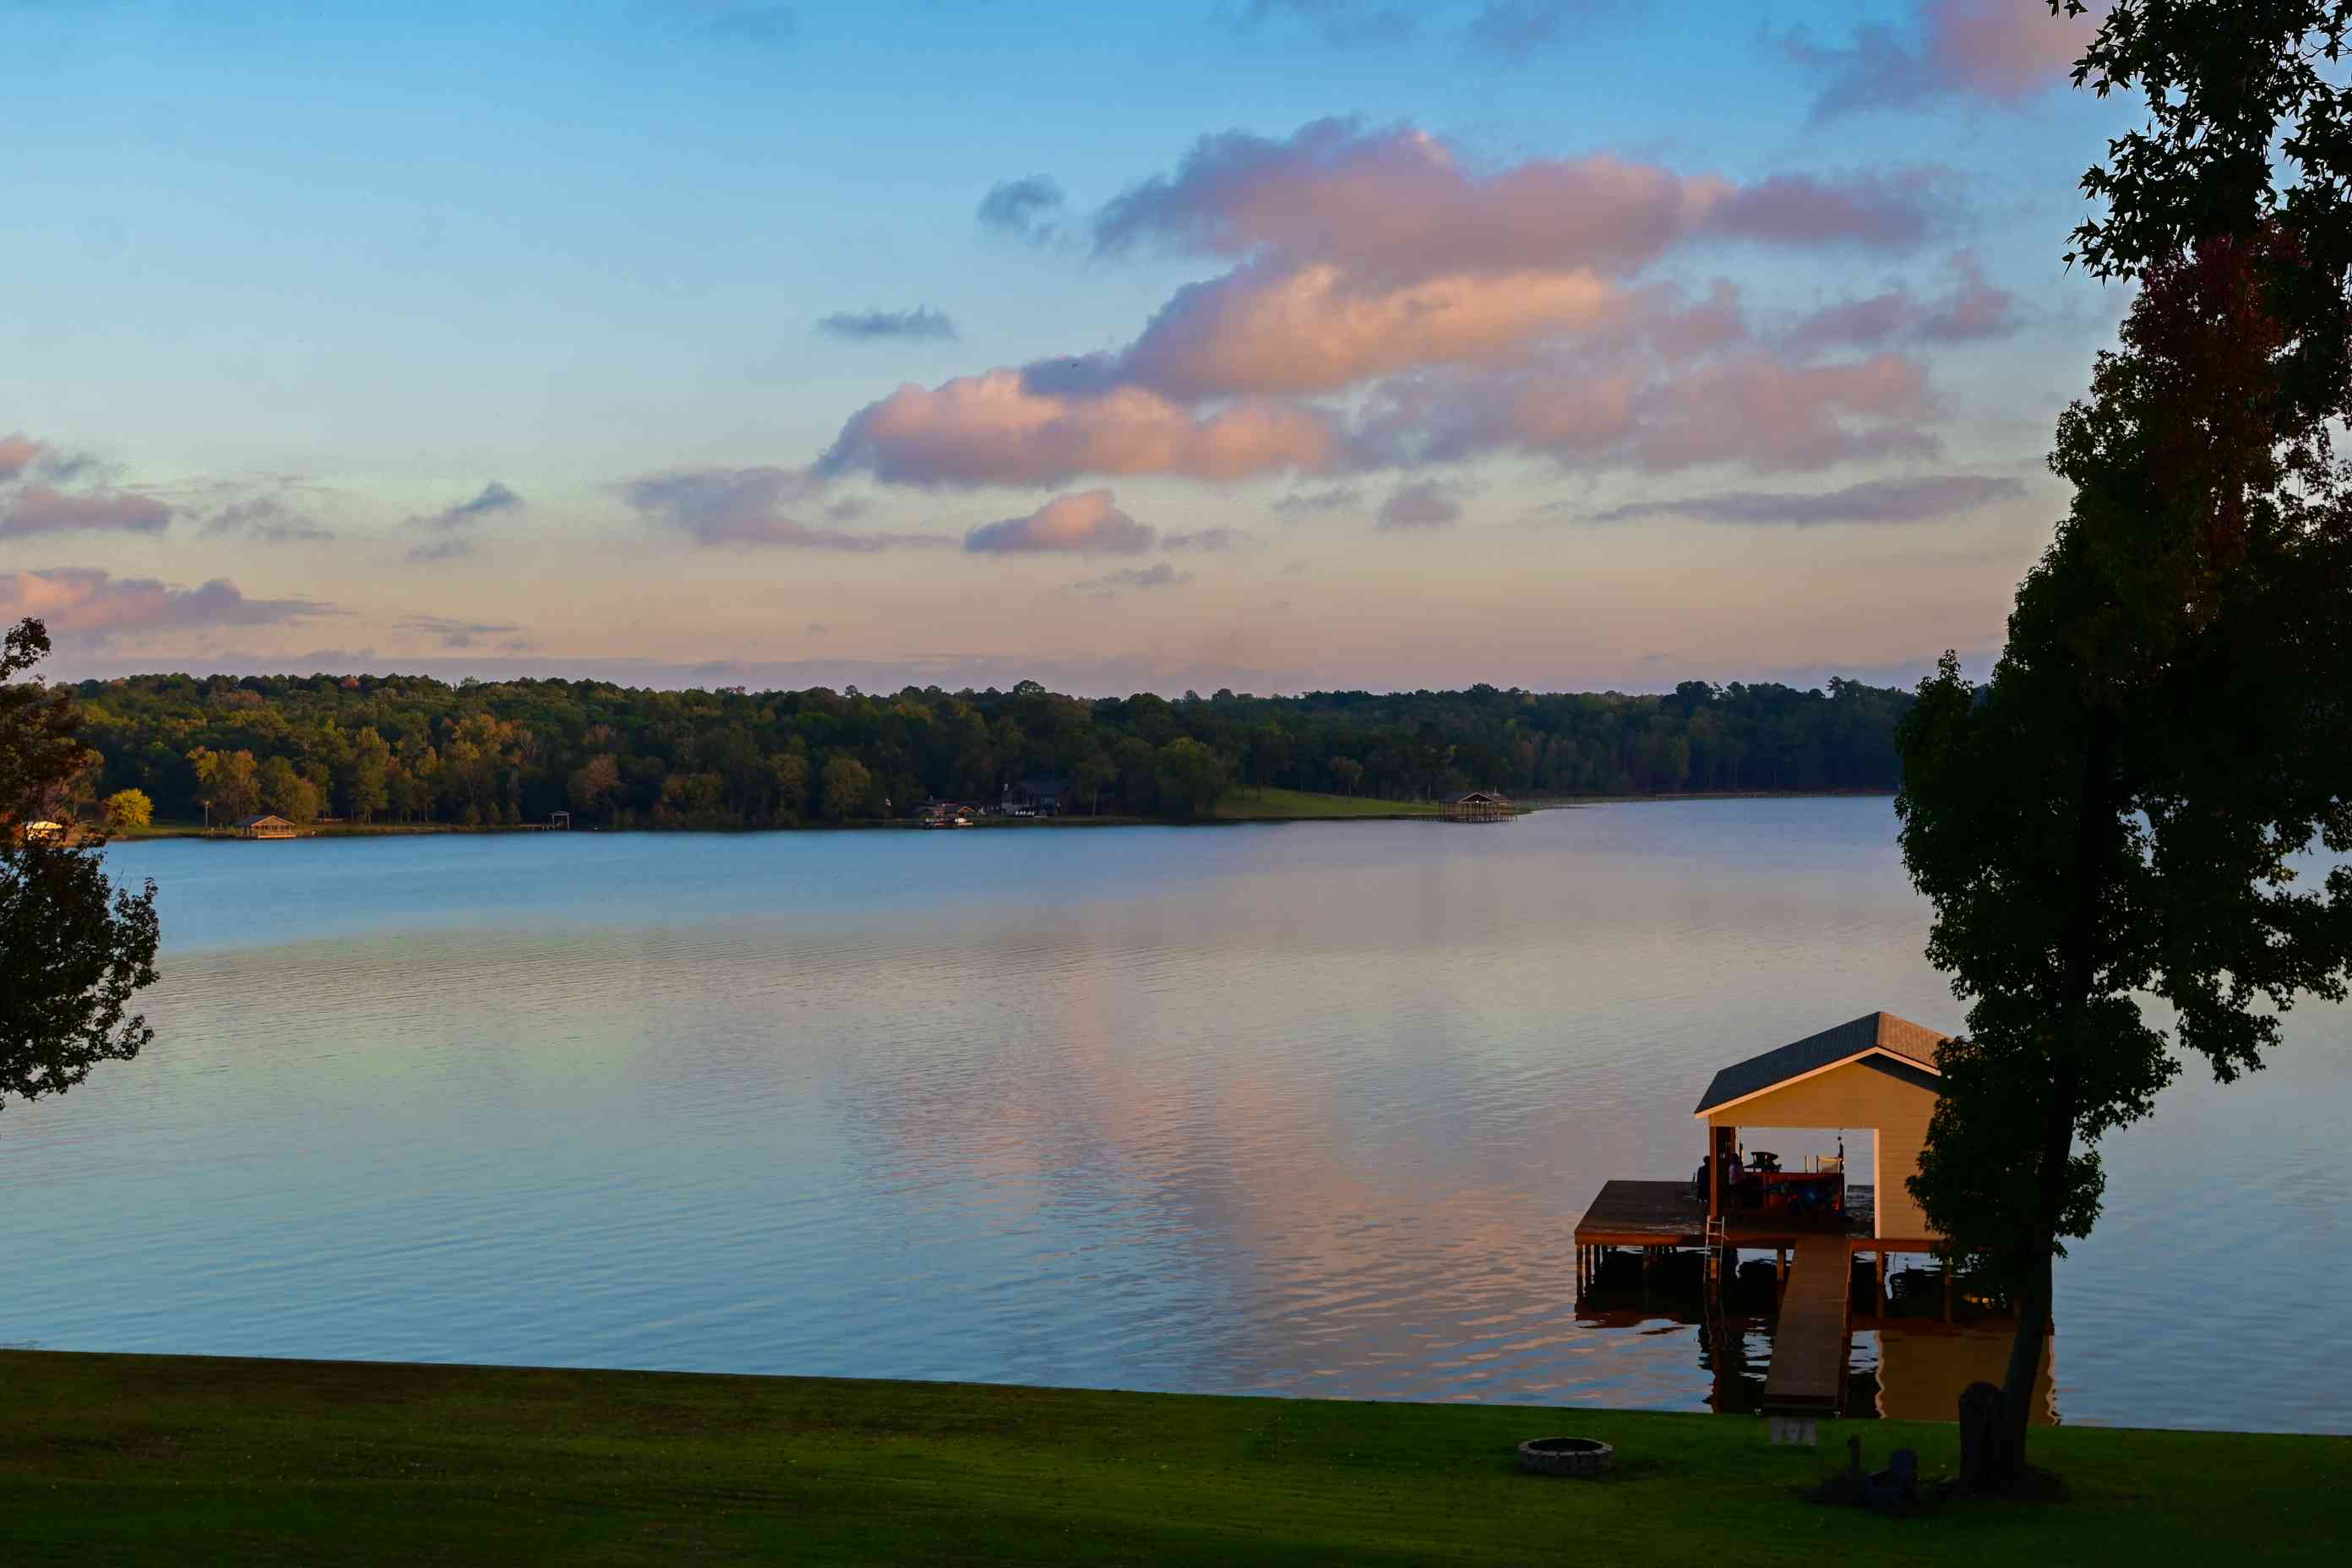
(129, 1458)
(407, 750)
(1241, 807)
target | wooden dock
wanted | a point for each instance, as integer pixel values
(1669, 1213)
(1807, 1375)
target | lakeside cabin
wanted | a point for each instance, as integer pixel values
(1875, 1073)
(266, 826)
(1483, 805)
(1035, 794)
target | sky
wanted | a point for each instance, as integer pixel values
(1270, 344)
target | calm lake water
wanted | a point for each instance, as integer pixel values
(1298, 1110)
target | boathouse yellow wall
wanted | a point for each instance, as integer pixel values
(1855, 1094)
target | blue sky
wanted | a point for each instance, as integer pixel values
(313, 285)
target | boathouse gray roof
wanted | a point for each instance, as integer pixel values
(1893, 1045)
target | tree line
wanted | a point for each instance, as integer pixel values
(412, 749)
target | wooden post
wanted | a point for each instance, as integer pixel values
(1878, 1293)
(1948, 1288)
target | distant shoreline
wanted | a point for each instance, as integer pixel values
(1238, 811)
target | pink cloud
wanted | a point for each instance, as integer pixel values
(44, 509)
(18, 454)
(1750, 411)
(1309, 330)
(2002, 51)
(1763, 415)
(1399, 203)
(1973, 310)
(995, 429)
(1378, 260)
(95, 605)
(2007, 48)
(1088, 522)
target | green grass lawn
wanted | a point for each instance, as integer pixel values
(177, 1460)
(1298, 805)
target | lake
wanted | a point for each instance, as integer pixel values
(1304, 1110)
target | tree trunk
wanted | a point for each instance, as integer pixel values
(2031, 1296)
(2032, 1285)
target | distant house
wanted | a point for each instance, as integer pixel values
(44, 832)
(946, 813)
(265, 827)
(1483, 805)
(1038, 794)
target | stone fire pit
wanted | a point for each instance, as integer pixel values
(1565, 1457)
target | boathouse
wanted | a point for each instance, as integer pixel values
(265, 827)
(1876, 1074)
(1482, 806)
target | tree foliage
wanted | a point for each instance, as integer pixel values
(74, 948)
(2123, 809)
(418, 750)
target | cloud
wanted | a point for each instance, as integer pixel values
(1342, 23)
(93, 606)
(453, 523)
(463, 634)
(1088, 521)
(1512, 30)
(922, 323)
(1338, 497)
(1208, 540)
(1424, 503)
(1361, 260)
(18, 453)
(1876, 500)
(495, 497)
(1279, 330)
(1997, 51)
(1399, 203)
(745, 508)
(1974, 310)
(1027, 207)
(1745, 409)
(1160, 575)
(268, 520)
(1503, 30)
(42, 490)
(994, 429)
(44, 509)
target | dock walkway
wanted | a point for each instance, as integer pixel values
(1807, 1373)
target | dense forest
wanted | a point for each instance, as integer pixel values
(408, 748)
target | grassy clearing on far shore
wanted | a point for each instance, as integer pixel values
(170, 1460)
(1299, 805)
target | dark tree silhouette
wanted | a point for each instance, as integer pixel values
(73, 946)
(2120, 810)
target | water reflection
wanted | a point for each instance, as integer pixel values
(1307, 1109)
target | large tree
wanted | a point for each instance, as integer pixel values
(73, 946)
(2122, 812)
